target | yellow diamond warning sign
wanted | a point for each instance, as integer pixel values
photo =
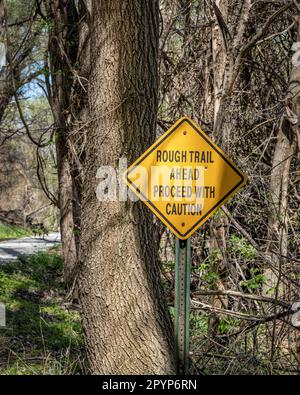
(184, 178)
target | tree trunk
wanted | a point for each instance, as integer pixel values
(219, 61)
(287, 136)
(218, 225)
(4, 100)
(124, 314)
(62, 49)
(65, 194)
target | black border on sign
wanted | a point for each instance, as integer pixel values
(214, 148)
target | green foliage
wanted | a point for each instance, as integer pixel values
(169, 266)
(12, 232)
(76, 232)
(39, 231)
(256, 281)
(19, 9)
(226, 325)
(206, 268)
(271, 291)
(208, 275)
(218, 215)
(40, 327)
(198, 324)
(215, 255)
(38, 107)
(172, 312)
(240, 246)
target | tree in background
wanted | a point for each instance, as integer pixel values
(26, 123)
(62, 18)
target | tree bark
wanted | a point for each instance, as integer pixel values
(65, 195)
(63, 52)
(124, 313)
(287, 136)
(218, 226)
(4, 97)
(224, 52)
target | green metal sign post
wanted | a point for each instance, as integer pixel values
(182, 304)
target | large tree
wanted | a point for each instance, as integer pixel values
(125, 320)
